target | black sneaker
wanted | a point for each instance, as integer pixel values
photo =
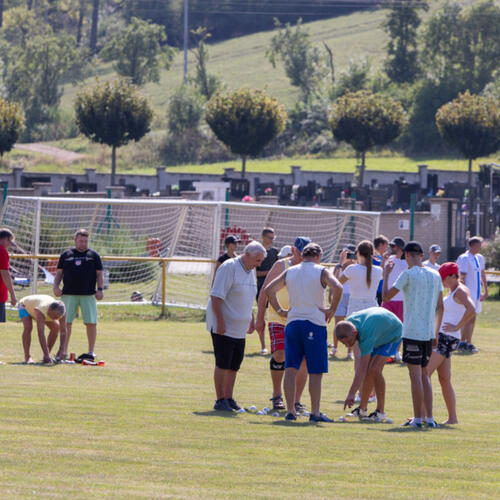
(462, 346)
(299, 407)
(319, 418)
(222, 405)
(278, 403)
(290, 416)
(233, 404)
(472, 349)
(85, 356)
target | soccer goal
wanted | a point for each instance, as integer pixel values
(162, 251)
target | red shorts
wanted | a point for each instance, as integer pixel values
(396, 307)
(277, 336)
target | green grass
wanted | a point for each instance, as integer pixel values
(142, 426)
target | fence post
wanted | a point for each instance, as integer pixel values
(163, 286)
(412, 215)
(36, 231)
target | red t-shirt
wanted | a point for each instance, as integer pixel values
(4, 266)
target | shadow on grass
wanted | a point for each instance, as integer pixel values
(257, 355)
(39, 364)
(413, 429)
(334, 359)
(215, 413)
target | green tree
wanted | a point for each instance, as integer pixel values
(138, 52)
(207, 83)
(471, 124)
(463, 45)
(113, 113)
(364, 120)
(354, 78)
(34, 74)
(401, 25)
(185, 109)
(11, 125)
(302, 60)
(245, 121)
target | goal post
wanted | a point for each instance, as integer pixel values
(163, 251)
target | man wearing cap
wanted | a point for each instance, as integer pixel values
(434, 254)
(276, 325)
(231, 242)
(472, 274)
(396, 265)
(230, 318)
(458, 311)
(423, 311)
(306, 319)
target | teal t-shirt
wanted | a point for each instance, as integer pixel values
(421, 287)
(376, 327)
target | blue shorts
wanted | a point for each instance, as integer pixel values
(23, 313)
(386, 350)
(343, 305)
(303, 338)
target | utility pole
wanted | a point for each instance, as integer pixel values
(186, 34)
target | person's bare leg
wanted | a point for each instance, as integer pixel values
(219, 376)
(427, 388)
(417, 390)
(300, 381)
(335, 340)
(374, 378)
(26, 337)
(277, 375)
(315, 391)
(68, 335)
(262, 338)
(229, 381)
(91, 335)
(289, 387)
(53, 332)
(444, 372)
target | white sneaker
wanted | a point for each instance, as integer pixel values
(358, 412)
(333, 351)
(398, 357)
(357, 399)
(350, 356)
(264, 351)
(372, 399)
(377, 416)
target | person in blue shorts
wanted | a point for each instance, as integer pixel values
(378, 333)
(306, 319)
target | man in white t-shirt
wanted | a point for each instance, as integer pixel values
(423, 311)
(230, 318)
(472, 274)
(434, 254)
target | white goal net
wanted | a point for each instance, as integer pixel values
(134, 235)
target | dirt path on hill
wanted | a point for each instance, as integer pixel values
(57, 153)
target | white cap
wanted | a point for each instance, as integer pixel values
(285, 251)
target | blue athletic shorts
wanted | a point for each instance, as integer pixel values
(387, 350)
(23, 313)
(303, 338)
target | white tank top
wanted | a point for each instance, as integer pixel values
(306, 294)
(453, 313)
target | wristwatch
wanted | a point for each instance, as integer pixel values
(99, 289)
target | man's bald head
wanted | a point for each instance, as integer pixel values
(346, 332)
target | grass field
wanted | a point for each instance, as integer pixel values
(142, 426)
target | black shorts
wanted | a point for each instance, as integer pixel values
(228, 352)
(417, 352)
(2, 312)
(446, 344)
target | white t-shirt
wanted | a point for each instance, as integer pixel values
(420, 287)
(400, 265)
(472, 265)
(237, 288)
(306, 293)
(356, 276)
(428, 263)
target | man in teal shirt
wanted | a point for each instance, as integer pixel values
(378, 333)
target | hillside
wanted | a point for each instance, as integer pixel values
(242, 61)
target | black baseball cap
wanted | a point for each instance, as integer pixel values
(231, 239)
(414, 246)
(397, 242)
